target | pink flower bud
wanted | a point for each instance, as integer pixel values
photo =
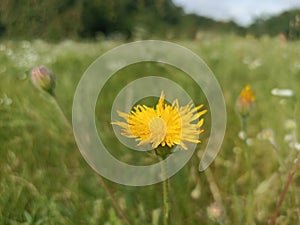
(43, 79)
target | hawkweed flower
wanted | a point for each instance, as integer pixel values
(244, 105)
(245, 101)
(43, 79)
(164, 125)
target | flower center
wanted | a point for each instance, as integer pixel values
(158, 129)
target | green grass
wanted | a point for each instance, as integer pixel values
(45, 180)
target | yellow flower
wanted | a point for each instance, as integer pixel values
(163, 125)
(245, 101)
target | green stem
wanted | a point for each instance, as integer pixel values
(244, 124)
(244, 120)
(250, 197)
(251, 186)
(213, 186)
(63, 115)
(280, 160)
(101, 180)
(114, 201)
(216, 195)
(165, 193)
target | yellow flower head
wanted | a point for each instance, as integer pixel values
(245, 101)
(163, 125)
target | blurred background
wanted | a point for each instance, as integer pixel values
(135, 19)
(44, 178)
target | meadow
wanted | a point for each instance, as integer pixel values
(45, 180)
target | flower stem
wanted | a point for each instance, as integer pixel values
(250, 196)
(280, 160)
(244, 123)
(216, 195)
(248, 159)
(213, 186)
(284, 191)
(101, 179)
(114, 201)
(165, 193)
(63, 115)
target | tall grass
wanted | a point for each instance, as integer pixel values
(45, 180)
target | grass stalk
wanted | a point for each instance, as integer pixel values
(101, 179)
(284, 191)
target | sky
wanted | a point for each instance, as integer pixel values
(242, 12)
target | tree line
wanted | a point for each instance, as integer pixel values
(126, 19)
(286, 23)
(60, 19)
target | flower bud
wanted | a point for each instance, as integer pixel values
(215, 212)
(245, 101)
(43, 79)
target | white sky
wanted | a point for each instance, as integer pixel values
(241, 11)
